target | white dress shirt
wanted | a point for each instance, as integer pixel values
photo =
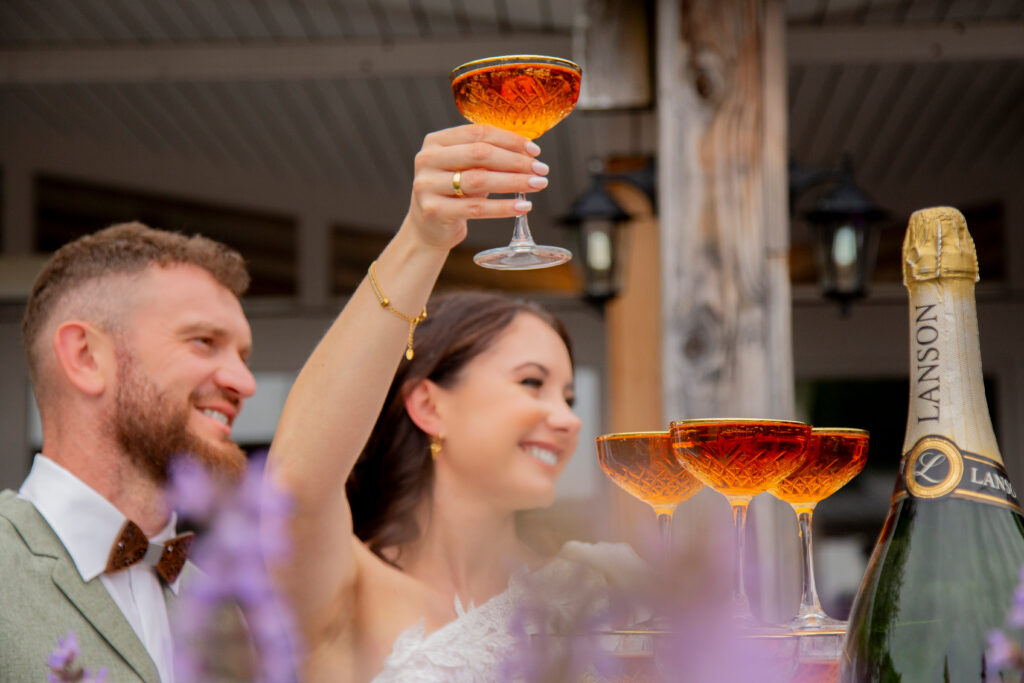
(87, 524)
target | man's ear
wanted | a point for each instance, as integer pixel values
(421, 403)
(85, 355)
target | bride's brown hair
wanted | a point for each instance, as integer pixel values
(395, 469)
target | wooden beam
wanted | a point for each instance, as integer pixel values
(723, 280)
(418, 57)
(265, 61)
(905, 43)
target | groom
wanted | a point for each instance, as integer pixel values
(137, 348)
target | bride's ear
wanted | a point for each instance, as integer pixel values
(421, 403)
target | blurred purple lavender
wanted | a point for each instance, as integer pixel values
(1016, 616)
(1003, 652)
(567, 633)
(559, 630)
(62, 664)
(192, 491)
(245, 527)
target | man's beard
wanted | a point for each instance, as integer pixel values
(152, 431)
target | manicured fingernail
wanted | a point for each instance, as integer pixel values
(532, 148)
(522, 206)
(538, 182)
(540, 168)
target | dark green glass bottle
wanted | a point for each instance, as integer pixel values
(944, 568)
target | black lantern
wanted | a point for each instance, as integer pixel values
(844, 226)
(599, 222)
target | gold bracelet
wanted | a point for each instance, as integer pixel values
(386, 304)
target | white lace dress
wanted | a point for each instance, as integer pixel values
(569, 591)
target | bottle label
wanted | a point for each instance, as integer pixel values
(935, 468)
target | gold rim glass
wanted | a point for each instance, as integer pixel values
(527, 94)
(740, 458)
(834, 456)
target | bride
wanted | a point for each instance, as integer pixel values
(448, 425)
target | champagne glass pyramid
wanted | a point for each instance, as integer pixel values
(526, 94)
(834, 457)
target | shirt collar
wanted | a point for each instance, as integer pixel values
(84, 521)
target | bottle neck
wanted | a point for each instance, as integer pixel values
(947, 390)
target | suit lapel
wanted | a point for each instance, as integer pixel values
(91, 599)
(96, 605)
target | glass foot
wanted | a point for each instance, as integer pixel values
(522, 258)
(815, 623)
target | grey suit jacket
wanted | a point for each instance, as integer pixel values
(42, 597)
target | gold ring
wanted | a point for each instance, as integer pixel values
(457, 184)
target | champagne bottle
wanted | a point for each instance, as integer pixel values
(945, 565)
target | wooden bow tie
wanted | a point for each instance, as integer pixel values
(132, 546)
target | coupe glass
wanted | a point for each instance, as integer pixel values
(642, 464)
(526, 94)
(740, 458)
(834, 457)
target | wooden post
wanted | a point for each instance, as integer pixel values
(633, 351)
(633, 343)
(727, 347)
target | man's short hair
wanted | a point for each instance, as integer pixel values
(124, 249)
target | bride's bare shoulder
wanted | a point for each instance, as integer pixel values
(387, 601)
(364, 621)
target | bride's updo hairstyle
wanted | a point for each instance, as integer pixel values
(395, 469)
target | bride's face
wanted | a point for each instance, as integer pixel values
(508, 422)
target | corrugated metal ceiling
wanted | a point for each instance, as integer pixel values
(342, 91)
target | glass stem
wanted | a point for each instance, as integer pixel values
(665, 531)
(739, 592)
(809, 604)
(521, 236)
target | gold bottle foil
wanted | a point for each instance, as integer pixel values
(938, 245)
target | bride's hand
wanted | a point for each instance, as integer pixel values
(489, 161)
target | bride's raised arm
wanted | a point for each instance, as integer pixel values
(337, 396)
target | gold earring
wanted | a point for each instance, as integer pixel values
(436, 444)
